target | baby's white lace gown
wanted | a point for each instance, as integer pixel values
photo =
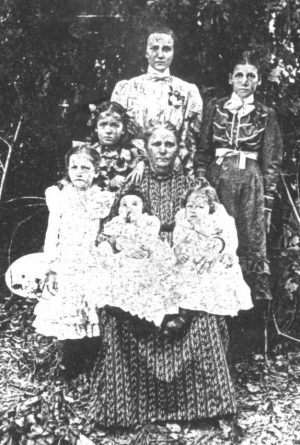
(140, 265)
(146, 279)
(211, 280)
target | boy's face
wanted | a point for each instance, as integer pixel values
(81, 171)
(244, 80)
(109, 128)
(196, 208)
(131, 206)
(160, 51)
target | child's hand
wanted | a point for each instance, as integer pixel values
(181, 255)
(137, 173)
(51, 282)
(204, 264)
(117, 182)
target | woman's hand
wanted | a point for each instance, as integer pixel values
(137, 173)
(117, 182)
(51, 282)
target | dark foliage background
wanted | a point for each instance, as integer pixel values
(57, 56)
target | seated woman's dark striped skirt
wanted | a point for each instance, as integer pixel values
(141, 377)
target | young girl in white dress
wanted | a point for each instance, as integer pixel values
(66, 309)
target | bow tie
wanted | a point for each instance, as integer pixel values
(157, 78)
(236, 105)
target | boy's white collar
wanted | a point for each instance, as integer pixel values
(236, 102)
(237, 105)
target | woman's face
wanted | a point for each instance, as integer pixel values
(197, 207)
(162, 150)
(109, 128)
(81, 171)
(131, 206)
(244, 80)
(160, 51)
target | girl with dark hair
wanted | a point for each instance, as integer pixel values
(114, 133)
(240, 152)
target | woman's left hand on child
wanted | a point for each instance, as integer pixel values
(137, 174)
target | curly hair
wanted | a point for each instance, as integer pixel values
(131, 130)
(208, 192)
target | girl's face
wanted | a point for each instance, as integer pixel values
(197, 207)
(81, 171)
(131, 206)
(244, 80)
(162, 150)
(109, 128)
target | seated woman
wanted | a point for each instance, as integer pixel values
(141, 375)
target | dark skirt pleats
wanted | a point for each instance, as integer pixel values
(140, 376)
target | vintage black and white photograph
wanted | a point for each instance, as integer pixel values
(149, 222)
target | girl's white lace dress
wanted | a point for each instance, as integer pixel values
(70, 247)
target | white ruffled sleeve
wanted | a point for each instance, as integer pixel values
(52, 235)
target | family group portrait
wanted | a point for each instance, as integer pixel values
(150, 222)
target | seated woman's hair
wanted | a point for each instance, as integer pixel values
(131, 129)
(154, 125)
(206, 191)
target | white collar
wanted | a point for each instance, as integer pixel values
(156, 73)
(236, 104)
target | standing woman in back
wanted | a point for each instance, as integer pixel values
(240, 152)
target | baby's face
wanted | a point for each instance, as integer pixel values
(131, 206)
(196, 208)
